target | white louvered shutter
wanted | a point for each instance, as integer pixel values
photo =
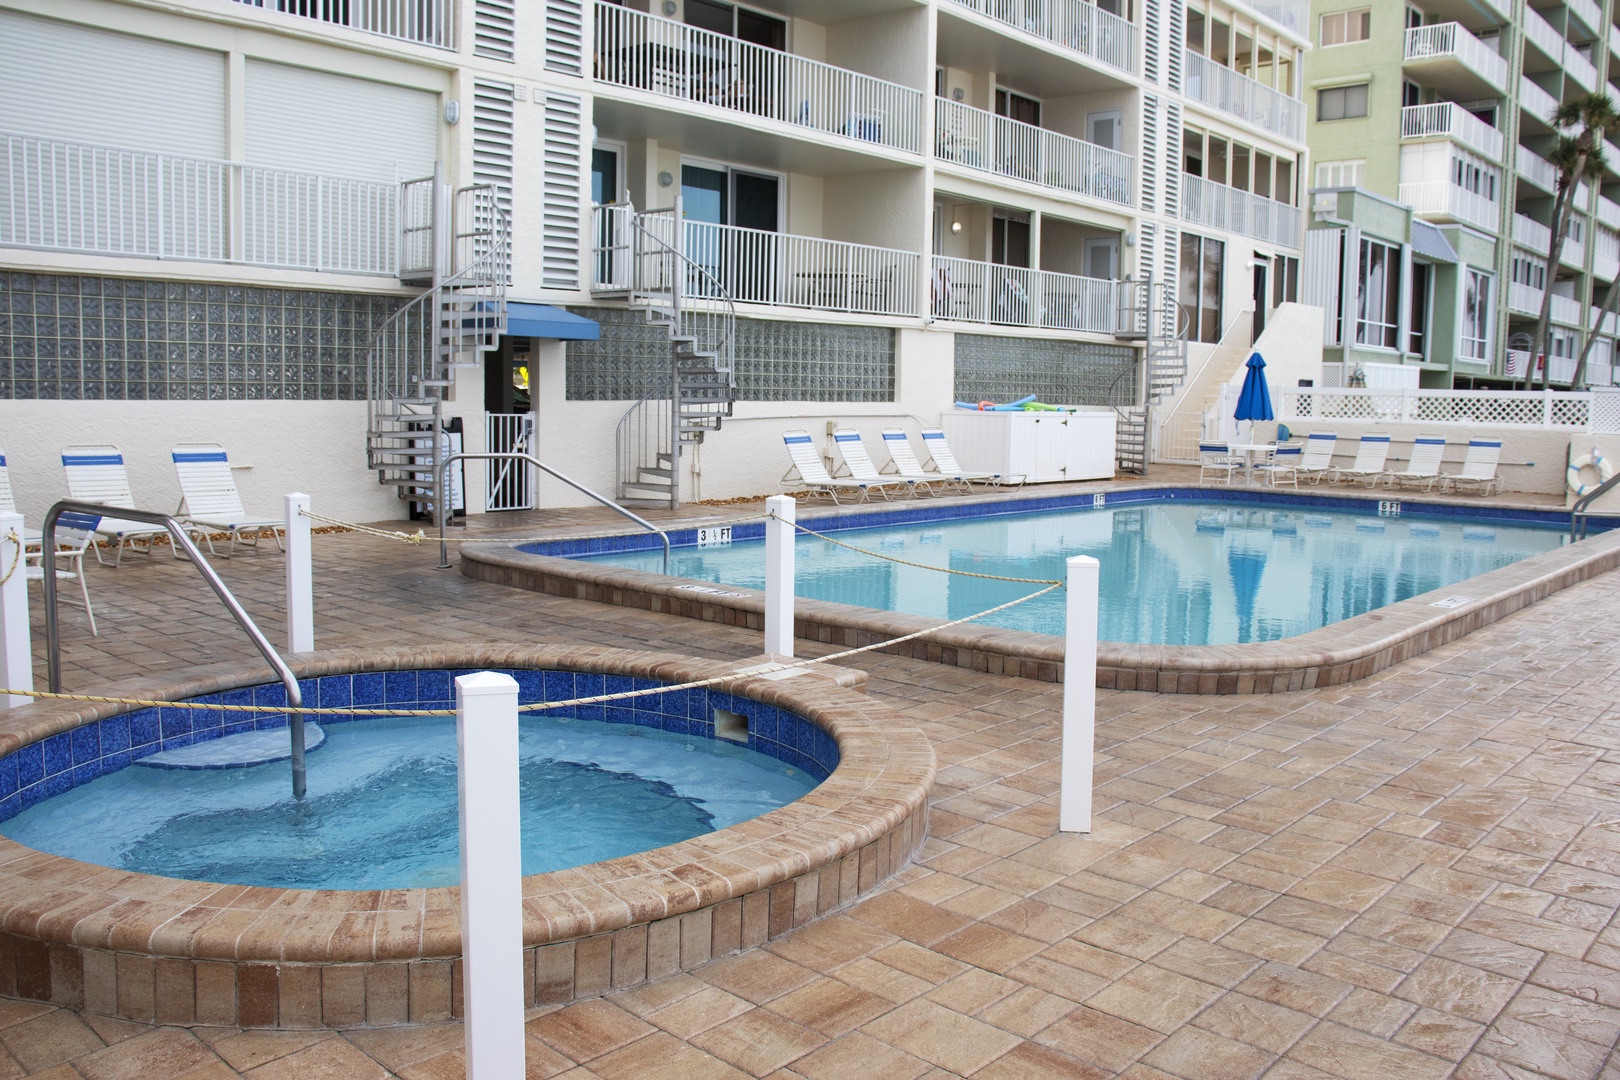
(1170, 161)
(1149, 157)
(564, 188)
(565, 36)
(494, 33)
(1175, 33)
(493, 143)
(1152, 40)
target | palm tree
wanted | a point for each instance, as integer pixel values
(1577, 158)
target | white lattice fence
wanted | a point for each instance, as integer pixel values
(1548, 410)
(1606, 411)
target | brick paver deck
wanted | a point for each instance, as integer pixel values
(1416, 875)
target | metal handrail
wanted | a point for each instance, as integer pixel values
(440, 503)
(53, 641)
(1579, 509)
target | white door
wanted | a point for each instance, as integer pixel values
(1102, 128)
(1102, 258)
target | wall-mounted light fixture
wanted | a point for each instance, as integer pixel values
(1130, 239)
(958, 94)
(452, 111)
(956, 226)
(669, 8)
(665, 179)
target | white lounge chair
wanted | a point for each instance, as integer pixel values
(1216, 460)
(1283, 468)
(858, 463)
(1317, 460)
(1478, 468)
(74, 534)
(1423, 467)
(943, 458)
(96, 474)
(1369, 463)
(904, 463)
(808, 473)
(8, 504)
(209, 499)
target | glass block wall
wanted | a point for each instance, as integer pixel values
(72, 337)
(1057, 372)
(776, 361)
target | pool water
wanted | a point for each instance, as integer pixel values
(382, 811)
(1173, 573)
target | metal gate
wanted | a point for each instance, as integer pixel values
(511, 483)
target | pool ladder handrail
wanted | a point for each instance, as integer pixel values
(439, 504)
(53, 637)
(1579, 509)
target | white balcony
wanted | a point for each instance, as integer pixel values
(782, 270)
(1566, 311)
(1531, 233)
(1579, 68)
(1292, 15)
(1204, 202)
(1449, 58)
(422, 22)
(1540, 33)
(1243, 97)
(107, 200)
(982, 140)
(1447, 201)
(1535, 169)
(671, 59)
(1606, 254)
(1524, 299)
(1587, 12)
(1082, 27)
(1608, 212)
(1537, 103)
(1573, 250)
(1614, 39)
(1447, 119)
(979, 292)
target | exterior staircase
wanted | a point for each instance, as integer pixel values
(1150, 314)
(641, 259)
(457, 243)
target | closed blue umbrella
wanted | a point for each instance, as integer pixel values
(1254, 400)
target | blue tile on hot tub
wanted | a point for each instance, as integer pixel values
(270, 695)
(32, 795)
(587, 684)
(336, 693)
(58, 753)
(531, 686)
(309, 692)
(114, 762)
(269, 721)
(176, 722)
(619, 714)
(367, 689)
(144, 727)
(30, 764)
(618, 684)
(83, 774)
(399, 686)
(595, 713)
(10, 807)
(57, 783)
(434, 686)
(242, 697)
(86, 744)
(559, 685)
(8, 777)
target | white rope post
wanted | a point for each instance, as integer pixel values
(779, 537)
(1079, 696)
(300, 576)
(16, 651)
(491, 874)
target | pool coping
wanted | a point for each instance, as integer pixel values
(165, 950)
(1333, 655)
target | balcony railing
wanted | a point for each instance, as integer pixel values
(1204, 202)
(1536, 169)
(982, 140)
(1442, 198)
(1606, 253)
(674, 60)
(1608, 212)
(1453, 39)
(1614, 39)
(1540, 33)
(1524, 299)
(1531, 234)
(107, 200)
(1085, 28)
(1450, 120)
(782, 270)
(1536, 101)
(1244, 98)
(1579, 68)
(425, 22)
(1566, 310)
(968, 291)
(1293, 15)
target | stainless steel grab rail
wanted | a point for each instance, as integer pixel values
(439, 504)
(1579, 509)
(53, 643)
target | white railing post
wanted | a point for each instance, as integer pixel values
(779, 536)
(1079, 695)
(491, 874)
(16, 651)
(300, 576)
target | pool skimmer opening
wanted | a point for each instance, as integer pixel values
(730, 726)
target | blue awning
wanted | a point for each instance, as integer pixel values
(545, 321)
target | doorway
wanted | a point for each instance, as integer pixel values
(1102, 258)
(745, 264)
(1262, 294)
(509, 424)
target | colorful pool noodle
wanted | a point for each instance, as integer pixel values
(1011, 406)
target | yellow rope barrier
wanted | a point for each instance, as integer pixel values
(16, 554)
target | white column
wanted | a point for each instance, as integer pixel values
(1079, 696)
(300, 576)
(491, 874)
(16, 652)
(779, 537)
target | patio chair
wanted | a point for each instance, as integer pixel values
(1424, 465)
(210, 502)
(1369, 463)
(1283, 468)
(858, 463)
(8, 504)
(95, 473)
(811, 472)
(74, 535)
(903, 462)
(1215, 459)
(1317, 460)
(1478, 468)
(943, 459)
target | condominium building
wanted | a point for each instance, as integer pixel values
(636, 240)
(1433, 196)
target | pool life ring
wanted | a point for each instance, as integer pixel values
(1594, 460)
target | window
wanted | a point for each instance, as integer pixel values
(1417, 330)
(1378, 295)
(1284, 280)
(740, 23)
(1202, 263)
(1472, 174)
(1529, 271)
(1016, 106)
(1476, 328)
(1345, 27)
(1335, 174)
(1342, 102)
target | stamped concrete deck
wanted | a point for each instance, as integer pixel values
(1415, 875)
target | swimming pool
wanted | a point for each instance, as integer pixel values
(1178, 572)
